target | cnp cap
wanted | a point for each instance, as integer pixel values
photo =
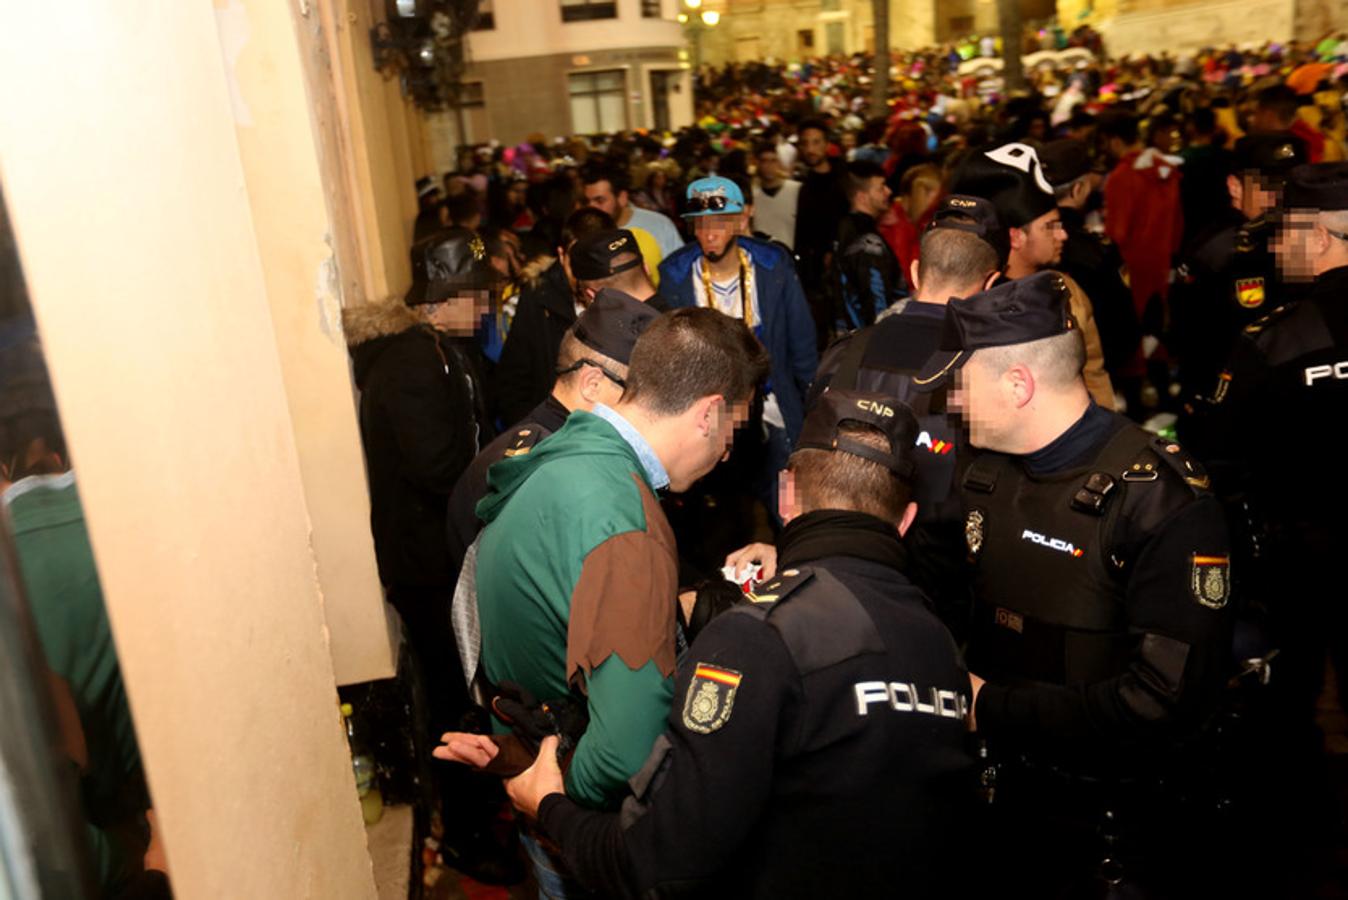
(604, 253)
(975, 215)
(836, 407)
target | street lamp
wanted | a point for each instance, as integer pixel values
(694, 25)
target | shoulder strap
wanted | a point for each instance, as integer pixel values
(981, 476)
(823, 623)
(849, 361)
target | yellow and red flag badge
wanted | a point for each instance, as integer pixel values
(1250, 292)
(710, 698)
(1210, 580)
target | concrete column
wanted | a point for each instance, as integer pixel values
(176, 321)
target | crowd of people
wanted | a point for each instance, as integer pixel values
(821, 500)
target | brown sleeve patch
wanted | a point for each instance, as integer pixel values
(1097, 379)
(624, 600)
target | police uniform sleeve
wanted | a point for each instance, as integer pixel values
(707, 780)
(1223, 423)
(1176, 608)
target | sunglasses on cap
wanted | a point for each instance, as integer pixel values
(709, 204)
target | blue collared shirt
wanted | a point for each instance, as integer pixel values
(655, 470)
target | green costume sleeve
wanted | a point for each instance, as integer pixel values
(627, 713)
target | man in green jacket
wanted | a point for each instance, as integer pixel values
(577, 570)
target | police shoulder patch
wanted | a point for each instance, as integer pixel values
(779, 588)
(1263, 322)
(1250, 292)
(1210, 580)
(524, 441)
(710, 698)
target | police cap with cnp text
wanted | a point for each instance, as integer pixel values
(976, 215)
(603, 254)
(836, 407)
(1014, 312)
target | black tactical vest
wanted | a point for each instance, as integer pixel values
(1048, 588)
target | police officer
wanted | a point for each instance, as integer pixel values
(1228, 278)
(1101, 588)
(1288, 379)
(817, 741)
(591, 368)
(960, 254)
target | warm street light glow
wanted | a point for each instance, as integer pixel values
(683, 17)
(692, 4)
(710, 17)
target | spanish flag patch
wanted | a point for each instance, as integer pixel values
(1210, 580)
(710, 698)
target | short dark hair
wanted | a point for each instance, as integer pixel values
(463, 206)
(763, 147)
(584, 222)
(617, 178)
(691, 353)
(816, 124)
(828, 479)
(1280, 100)
(741, 181)
(1119, 124)
(1203, 120)
(859, 173)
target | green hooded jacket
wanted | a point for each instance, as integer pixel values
(577, 578)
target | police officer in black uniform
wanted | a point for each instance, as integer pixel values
(1272, 427)
(962, 251)
(601, 345)
(1101, 602)
(817, 739)
(1228, 279)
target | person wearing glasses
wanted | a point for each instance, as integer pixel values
(591, 369)
(1011, 176)
(754, 281)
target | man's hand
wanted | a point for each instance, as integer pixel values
(766, 554)
(475, 750)
(544, 777)
(975, 685)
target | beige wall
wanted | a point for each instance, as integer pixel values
(280, 156)
(1145, 26)
(377, 157)
(172, 313)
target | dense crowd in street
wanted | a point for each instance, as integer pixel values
(820, 484)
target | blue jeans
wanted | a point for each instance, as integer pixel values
(554, 882)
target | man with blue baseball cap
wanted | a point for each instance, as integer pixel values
(755, 281)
